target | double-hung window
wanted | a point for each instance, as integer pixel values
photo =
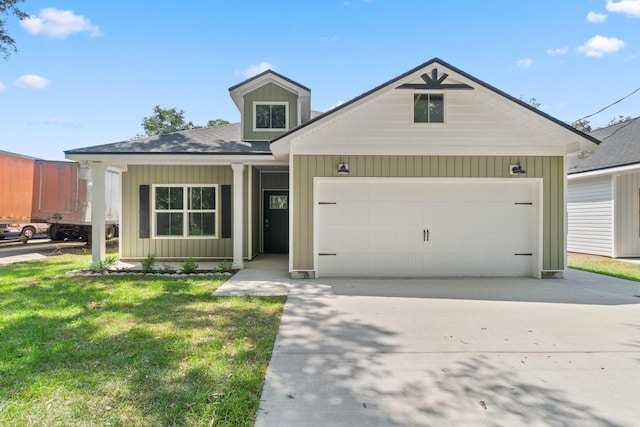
(185, 211)
(270, 116)
(428, 108)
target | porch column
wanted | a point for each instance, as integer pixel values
(238, 210)
(98, 213)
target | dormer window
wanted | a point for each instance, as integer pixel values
(270, 116)
(428, 108)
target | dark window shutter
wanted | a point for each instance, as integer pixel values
(225, 210)
(145, 231)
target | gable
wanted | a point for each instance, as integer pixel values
(478, 120)
(269, 94)
(274, 94)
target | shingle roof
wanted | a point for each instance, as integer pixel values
(223, 139)
(620, 146)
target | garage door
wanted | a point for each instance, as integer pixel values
(418, 228)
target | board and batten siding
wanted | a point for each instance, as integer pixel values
(266, 94)
(627, 215)
(549, 168)
(590, 216)
(135, 248)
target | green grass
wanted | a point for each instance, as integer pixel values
(128, 350)
(602, 265)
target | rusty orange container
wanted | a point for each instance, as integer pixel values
(16, 187)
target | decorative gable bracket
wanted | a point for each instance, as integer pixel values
(434, 82)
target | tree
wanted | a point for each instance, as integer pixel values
(531, 101)
(217, 122)
(618, 119)
(166, 120)
(7, 44)
(582, 125)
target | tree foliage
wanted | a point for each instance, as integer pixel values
(166, 120)
(618, 119)
(217, 122)
(531, 101)
(582, 125)
(7, 43)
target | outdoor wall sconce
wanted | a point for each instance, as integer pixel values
(343, 169)
(516, 169)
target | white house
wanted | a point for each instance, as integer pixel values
(603, 194)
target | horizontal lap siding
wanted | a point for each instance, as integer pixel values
(551, 169)
(134, 247)
(627, 216)
(590, 216)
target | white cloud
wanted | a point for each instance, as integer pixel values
(257, 69)
(558, 51)
(596, 18)
(339, 103)
(2, 87)
(628, 7)
(599, 45)
(59, 24)
(53, 121)
(524, 63)
(32, 81)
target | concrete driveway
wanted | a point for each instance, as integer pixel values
(490, 352)
(456, 352)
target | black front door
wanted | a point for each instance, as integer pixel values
(276, 221)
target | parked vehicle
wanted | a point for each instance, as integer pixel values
(27, 231)
(56, 194)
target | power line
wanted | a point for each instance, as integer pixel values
(610, 105)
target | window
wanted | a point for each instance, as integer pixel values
(428, 108)
(272, 116)
(185, 211)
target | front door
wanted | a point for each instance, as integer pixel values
(276, 221)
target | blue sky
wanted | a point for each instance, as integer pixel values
(88, 72)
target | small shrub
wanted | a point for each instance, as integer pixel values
(189, 266)
(148, 263)
(225, 267)
(166, 268)
(103, 265)
(100, 267)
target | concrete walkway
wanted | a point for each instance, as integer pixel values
(490, 352)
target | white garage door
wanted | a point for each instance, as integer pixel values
(400, 228)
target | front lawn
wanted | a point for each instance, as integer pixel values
(603, 265)
(128, 350)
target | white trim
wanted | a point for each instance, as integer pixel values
(614, 216)
(613, 170)
(185, 211)
(98, 212)
(536, 261)
(291, 211)
(174, 159)
(456, 148)
(565, 216)
(238, 213)
(249, 213)
(270, 103)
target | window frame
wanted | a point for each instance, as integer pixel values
(271, 103)
(185, 211)
(444, 108)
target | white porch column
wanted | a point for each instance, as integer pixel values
(238, 210)
(98, 213)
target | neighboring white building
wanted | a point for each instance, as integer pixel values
(603, 197)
